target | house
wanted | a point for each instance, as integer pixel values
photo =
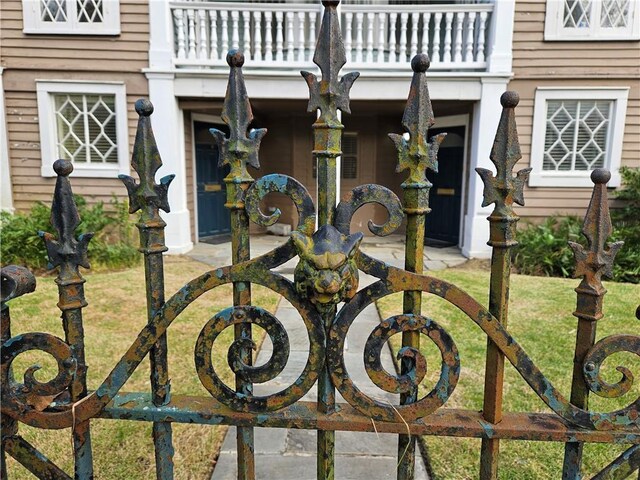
(72, 69)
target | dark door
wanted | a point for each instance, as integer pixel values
(213, 217)
(445, 199)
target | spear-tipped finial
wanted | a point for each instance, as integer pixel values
(504, 188)
(67, 251)
(242, 146)
(330, 94)
(147, 195)
(596, 260)
(416, 153)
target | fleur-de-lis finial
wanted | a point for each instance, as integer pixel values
(147, 195)
(66, 252)
(596, 260)
(330, 94)
(416, 153)
(242, 146)
(504, 188)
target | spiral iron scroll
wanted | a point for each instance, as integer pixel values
(33, 394)
(256, 374)
(398, 280)
(367, 194)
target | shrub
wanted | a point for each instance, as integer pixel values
(544, 251)
(113, 245)
(543, 248)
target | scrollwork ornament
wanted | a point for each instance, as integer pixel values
(255, 374)
(366, 194)
(287, 186)
(595, 358)
(33, 394)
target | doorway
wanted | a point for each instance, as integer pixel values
(213, 217)
(445, 198)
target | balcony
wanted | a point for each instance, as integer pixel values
(377, 38)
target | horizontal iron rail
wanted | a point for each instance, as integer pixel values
(544, 427)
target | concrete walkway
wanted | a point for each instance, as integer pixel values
(290, 453)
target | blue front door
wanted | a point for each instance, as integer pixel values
(213, 217)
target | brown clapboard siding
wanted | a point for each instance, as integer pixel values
(537, 63)
(27, 58)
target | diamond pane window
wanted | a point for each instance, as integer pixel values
(53, 10)
(89, 11)
(577, 13)
(72, 17)
(592, 20)
(86, 128)
(85, 123)
(574, 132)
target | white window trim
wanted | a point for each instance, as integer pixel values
(46, 115)
(110, 25)
(542, 178)
(554, 29)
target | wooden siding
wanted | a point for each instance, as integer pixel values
(27, 58)
(537, 63)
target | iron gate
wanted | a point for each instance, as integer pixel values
(326, 275)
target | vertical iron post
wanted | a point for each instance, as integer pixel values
(592, 264)
(503, 190)
(149, 198)
(328, 95)
(240, 149)
(68, 254)
(15, 281)
(415, 154)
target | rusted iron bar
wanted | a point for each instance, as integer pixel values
(545, 427)
(149, 198)
(68, 254)
(622, 467)
(33, 460)
(415, 154)
(503, 190)
(592, 264)
(240, 149)
(14, 282)
(328, 95)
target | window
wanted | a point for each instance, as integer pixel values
(349, 164)
(85, 123)
(574, 132)
(72, 17)
(592, 20)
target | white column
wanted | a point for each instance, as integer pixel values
(501, 37)
(160, 35)
(486, 114)
(6, 193)
(168, 127)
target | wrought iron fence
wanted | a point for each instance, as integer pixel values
(326, 275)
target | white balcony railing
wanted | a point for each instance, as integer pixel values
(283, 36)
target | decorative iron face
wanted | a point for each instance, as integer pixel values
(326, 275)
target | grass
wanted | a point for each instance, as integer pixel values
(115, 315)
(540, 320)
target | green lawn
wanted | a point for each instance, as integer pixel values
(115, 315)
(541, 320)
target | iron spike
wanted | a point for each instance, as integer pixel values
(146, 161)
(242, 146)
(416, 153)
(66, 251)
(503, 189)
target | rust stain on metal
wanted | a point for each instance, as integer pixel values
(329, 258)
